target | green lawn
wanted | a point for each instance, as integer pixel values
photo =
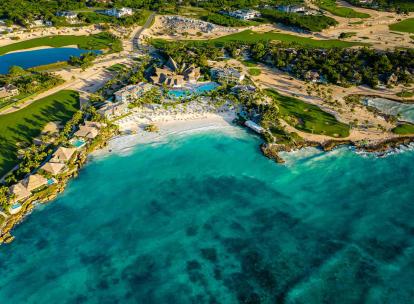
(406, 25)
(307, 117)
(346, 12)
(249, 36)
(254, 71)
(27, 123)
(99, 41)
(404, 129)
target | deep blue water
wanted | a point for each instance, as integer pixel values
(29, 59)
(207, 219)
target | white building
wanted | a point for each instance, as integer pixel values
(70, 17)
(244, 14)
(227, 74)
(113, 109)
(292, 8)
(119, 13)
(254, 126)
(132, 92)
(8, 91)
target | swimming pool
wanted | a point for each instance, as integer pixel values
(78, 143)
(192, 90)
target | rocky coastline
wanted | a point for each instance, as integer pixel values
(50, 193)
(272, 150)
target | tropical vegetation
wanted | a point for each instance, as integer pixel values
(19, 128)
(28, 82)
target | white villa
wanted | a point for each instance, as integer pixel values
(70, 17)
(292, 8)
(119, 13)
(254, 126)
(244, 14)
(8, 91)
(227, 74)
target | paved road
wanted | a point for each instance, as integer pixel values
(139, 33)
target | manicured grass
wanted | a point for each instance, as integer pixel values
(249, 36)
(405, 94)
(406, 25)
(27, 123)
(346, 12)
(51, 67)
(308, 118)
(404, 129)
(255, 71)
(250, 64)
(92, 42)
(116, 67)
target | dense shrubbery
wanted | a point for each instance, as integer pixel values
(95, 17)
(29, 82)
(341, 66)
(84, 61)
(401, 6)
(309, 23)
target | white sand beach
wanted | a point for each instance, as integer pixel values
(124, 143)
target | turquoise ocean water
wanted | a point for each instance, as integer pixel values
(205, 218)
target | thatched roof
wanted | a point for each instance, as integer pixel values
(63, 155)
(20, 192)
(87, 132)
(53, 168)
(34, 182)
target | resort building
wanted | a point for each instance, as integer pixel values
(19, 192)
(119, 13)
(34, 182)
(70, 17)
(173, 75)
(94, 124)
(111, 110)
(254, 126)
(244, 14)
(227, 74)
(87, 132)
(291, 8)
(8, 91)
(53, 168)
(63, 155)
(132, 92)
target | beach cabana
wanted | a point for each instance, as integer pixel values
(53, 168)
(63, 155)
(33, 182)
(87, 132)
(19, 192)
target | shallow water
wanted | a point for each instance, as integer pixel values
(390, 107)
(29, 59)
(206, 219)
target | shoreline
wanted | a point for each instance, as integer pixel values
(126, 142)
(44, 47)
